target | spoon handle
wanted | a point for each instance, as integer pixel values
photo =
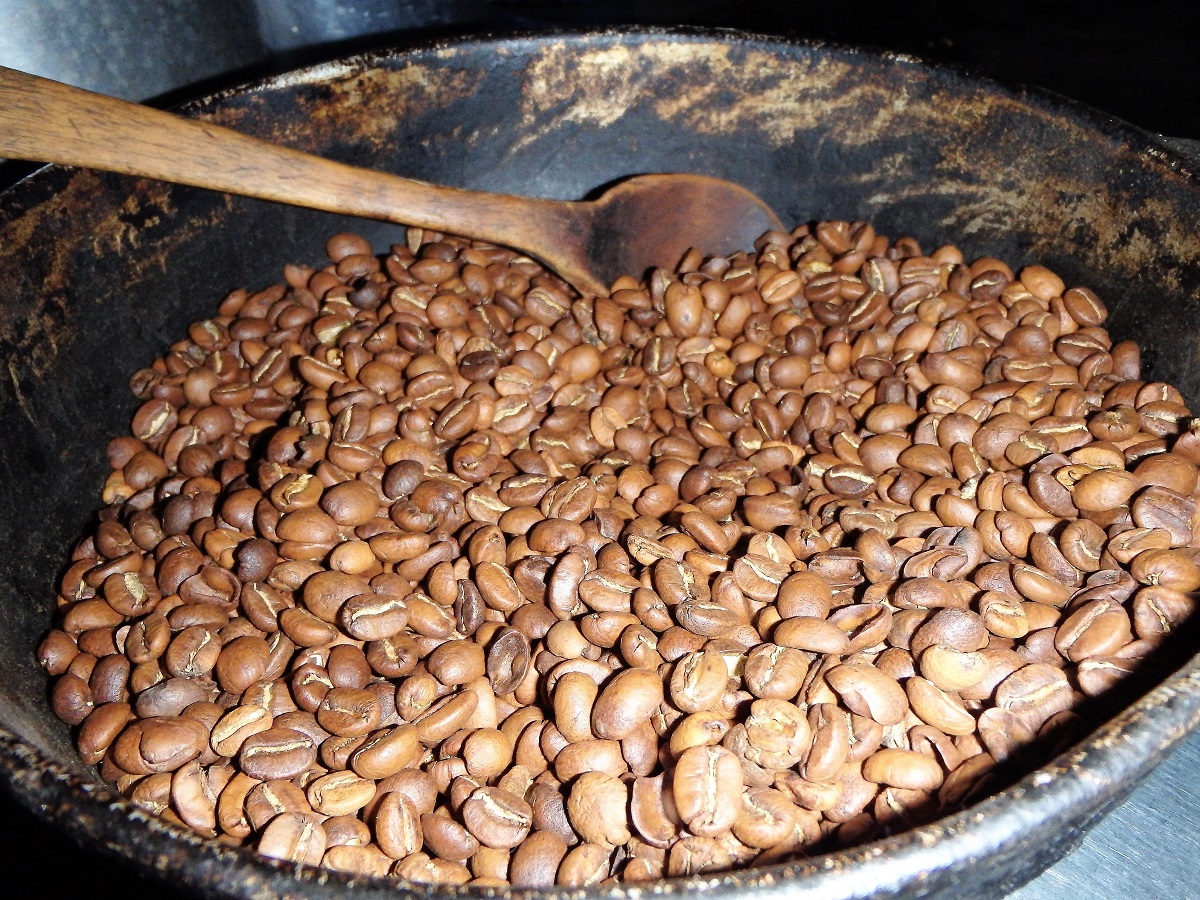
(48, 121)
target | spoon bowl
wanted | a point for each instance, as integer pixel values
(641, 222)
(670, 214)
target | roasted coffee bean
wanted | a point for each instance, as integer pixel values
(447, 838)
(236, 726)
(386, 752)
(421, 566)
(497, 818)
(536, 860)
(372, 616)
(583, 756)
(574, 698)
(340, 793)
(550, 812)
(905, 769)
(698, 680)
(71, 699)
(397, 825)
(812, 634)
(772, 671)
(868, 692)
(295, 837)
(777, 735)
(456, 662)
(508, 660)
(767, 819)
(698, 730)
(368, 861)
(276, 753)
(707, 786)
(446, 716)
(1035, 693)
(101, 727)
(349, 712)
(585, 864)
(160, 744)
(598, 809)
(626, 702)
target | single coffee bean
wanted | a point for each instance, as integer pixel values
(240, 723)
(497, 818)
(625, 702)
(397, 826)
(869, 692)
(349, 712)
(295, 837)
(707, 787)
(597, 809)
(340, 793)
(698, 680)
(386, 752)
(276, 753)
(903, 769)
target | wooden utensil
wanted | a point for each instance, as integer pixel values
(643, 221)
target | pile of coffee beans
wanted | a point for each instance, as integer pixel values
(421, 566)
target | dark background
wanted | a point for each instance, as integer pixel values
(1139, 61)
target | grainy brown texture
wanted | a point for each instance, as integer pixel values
(431, 512)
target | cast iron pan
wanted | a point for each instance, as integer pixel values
(100, 273)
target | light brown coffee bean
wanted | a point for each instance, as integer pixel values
(446, 716)
(597, 806)
(487, 752)
(159, 745)
(707, 787)
(295, 837)
(1098, 628)
(941, 709)
(767, 818)
(777, 734)
(349, 712)
(698, 680)
(386, 752)
(868, 692)
(456, 662)
(447, 838)
(905, 769)
(276, 753)
(584, 865)
(811, 634)
(397, 825)
(774, 672)
(951, 669)
(240, 723)
(373, 617)
(1034, 692)
(536, 860)
(340, 793)
(626, 702)
(586, 756)
(574, 696)
(497, 818)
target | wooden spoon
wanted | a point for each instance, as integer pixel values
(644, 221)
